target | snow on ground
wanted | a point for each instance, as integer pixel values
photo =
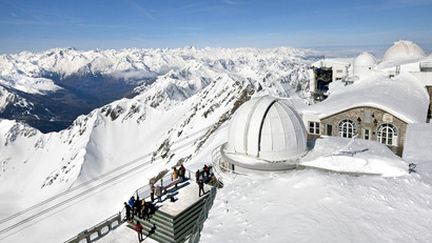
(418, 148)
(315, 206)
(29, 85)
(354, 156)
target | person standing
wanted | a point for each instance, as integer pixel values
(131, 203)
(152, 191)
(197, 176)
(137, 207)
(182, 172)
(144, 209)
(128, 211)
(174, 176)
(201, 186)
(158, 192)
(139, 228)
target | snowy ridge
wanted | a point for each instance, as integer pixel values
(126, 63)
(81, 81)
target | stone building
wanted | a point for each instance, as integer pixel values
(381, 102)
(377, 109)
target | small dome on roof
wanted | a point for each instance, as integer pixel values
(402, 50)
(365, 59)
(364, 63)
(267, 128)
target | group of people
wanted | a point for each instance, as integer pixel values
(205, 176)
(140, 208)
(143, 209)
(179, 173)
(177, 176)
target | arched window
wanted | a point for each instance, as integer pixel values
(387, 134)
(347, 128)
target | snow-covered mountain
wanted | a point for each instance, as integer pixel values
(193, 92)
(80, 81)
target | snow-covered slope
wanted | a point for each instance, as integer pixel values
(314, 206)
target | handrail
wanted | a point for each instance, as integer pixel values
(86, 234)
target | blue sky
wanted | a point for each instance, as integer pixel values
(89, 24)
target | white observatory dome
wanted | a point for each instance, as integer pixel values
(402, 50)
(364, 63)
(268, 129)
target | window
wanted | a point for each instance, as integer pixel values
(366, 134)
(387, 134)
(347, 128)
(314, 128)
(339, 71)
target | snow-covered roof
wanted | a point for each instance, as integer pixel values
(404, 97)
(403, 49)
(267, 128)
(328, 62)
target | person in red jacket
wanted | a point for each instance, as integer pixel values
(139, 228)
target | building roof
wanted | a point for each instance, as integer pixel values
(328, 62)
(267, 128)
(403, 49)
(404, 97)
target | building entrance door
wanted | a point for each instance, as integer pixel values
(329, 130)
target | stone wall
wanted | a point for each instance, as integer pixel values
(366, 118)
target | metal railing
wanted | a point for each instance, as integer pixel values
(196, 232)
(144, 191)
(100, 230)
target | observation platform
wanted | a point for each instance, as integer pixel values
(176, 220)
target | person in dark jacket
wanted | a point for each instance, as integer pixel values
(182, 172)
(137, 207)
(152, 191)
(144, 210)
(197, 176)
(206, 170)
(128, 211)
(201, 186)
